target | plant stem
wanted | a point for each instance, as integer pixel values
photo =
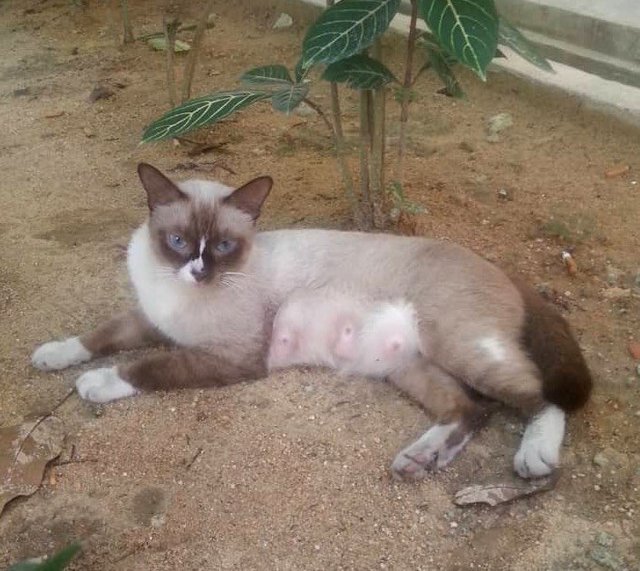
(195, 50)
(321, 114)
(365, 146)
(126, 22)
(406, 86)
(378, 136)
(335, 109)
(340, 149)
(170, 24)
(335, 100)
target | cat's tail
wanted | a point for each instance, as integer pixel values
(548, 340)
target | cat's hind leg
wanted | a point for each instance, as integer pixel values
(129, 330)
(458, 415)
(501, 370)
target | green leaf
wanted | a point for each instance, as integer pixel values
(346, 29)
(513, 38)
(267, 75)
(56, 562)
(160, 44)
(287, 100)
(466, 29)
(444, 68)
(199, 112)
(359, 72)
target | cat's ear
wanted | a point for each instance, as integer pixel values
(160, 189)
(250, 197)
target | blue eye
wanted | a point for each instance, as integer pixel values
(225, 246)
(177, 242)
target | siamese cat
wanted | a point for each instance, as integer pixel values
(341, 331)
(209, 284)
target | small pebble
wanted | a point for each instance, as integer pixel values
(283, 21)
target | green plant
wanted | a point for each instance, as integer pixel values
(345, 41)
(56, 562)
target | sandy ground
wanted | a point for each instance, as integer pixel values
(292, 472)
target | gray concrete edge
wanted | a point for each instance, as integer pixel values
(614, 98)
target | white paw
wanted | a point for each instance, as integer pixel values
(539, 452)
(436, 448)
(103, 385)
(60, 354)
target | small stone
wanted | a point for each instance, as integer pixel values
(604, 539)
(606, 559)
(499, 123)
(100, 92)
(88, 132)
(600, 460)
(303, 110)
(283, 21)
(614, 293)
(634, 350)
(453, 525)
(503, 194)
(613, 274)
(467, 146)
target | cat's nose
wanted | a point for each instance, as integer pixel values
(198, 275)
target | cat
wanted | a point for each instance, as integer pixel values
(342, 331)
(208, 283)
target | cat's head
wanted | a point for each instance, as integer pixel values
(199, 230)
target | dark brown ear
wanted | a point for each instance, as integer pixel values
(160, 190)
(250, 197)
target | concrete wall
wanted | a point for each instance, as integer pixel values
(597, 36)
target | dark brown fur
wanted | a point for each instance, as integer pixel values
(547, 337)
(129, 330)
(190, 368)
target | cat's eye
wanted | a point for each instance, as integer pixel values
(177, 242)
(225, 246)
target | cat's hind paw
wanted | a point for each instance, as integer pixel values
(433, 450)
(539, 452)
(57, 355)
(103, 385)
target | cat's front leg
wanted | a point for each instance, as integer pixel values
(129, 330)
(179, 369)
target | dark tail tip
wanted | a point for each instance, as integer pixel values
(551, 345)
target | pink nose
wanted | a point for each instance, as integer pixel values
(198, 275)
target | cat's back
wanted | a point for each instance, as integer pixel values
(372, 260)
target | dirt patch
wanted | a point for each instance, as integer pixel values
(292, 472)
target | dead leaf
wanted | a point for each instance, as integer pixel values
(494, 494)
(569, 263)
(617, 170)
(160, 44)
(25, 450)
